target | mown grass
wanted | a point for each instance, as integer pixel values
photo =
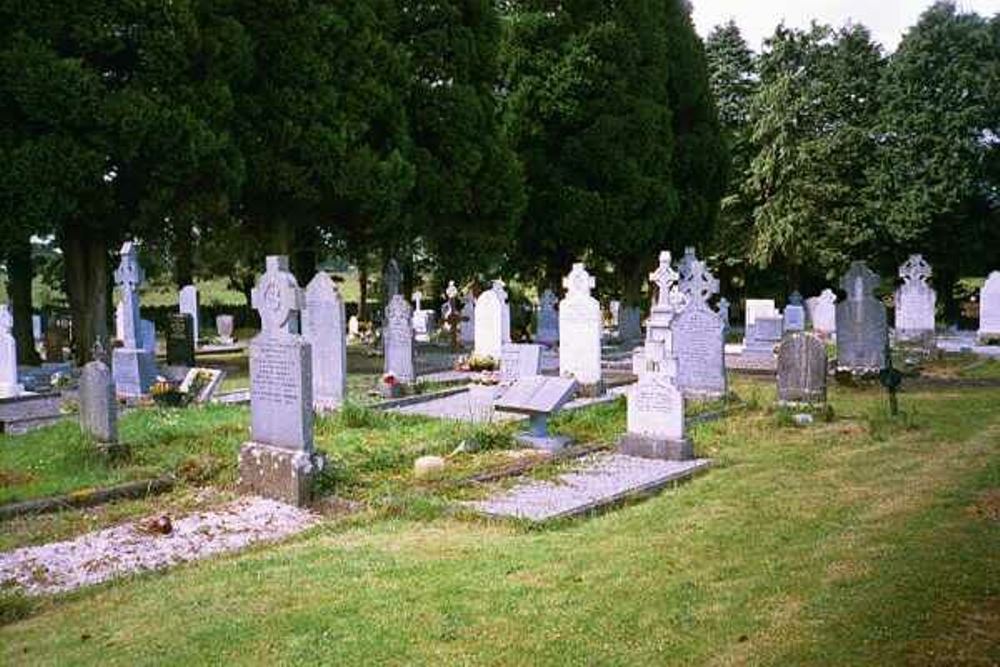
(864, 540)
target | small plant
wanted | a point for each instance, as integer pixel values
(166, 394)
(482, 363)
(14, 606)
(353, 415)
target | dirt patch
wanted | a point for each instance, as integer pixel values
(15, 477)
(987, 506)
(974, 639)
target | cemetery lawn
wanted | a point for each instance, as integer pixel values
(863, 540)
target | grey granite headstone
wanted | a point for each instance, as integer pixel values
(397, 340)
(699, 344)
(915, 302)
(763, 335)
(188, 303)
(520, 360)
(98, 407)
(548, 319)
(629, 323)
(580, 324)
(795, 313)
(134, 366)
(224, 326)
(861, 321)
(280, 461)
(9, 385)
(323, 326)
(180, 340)
(989, 309)
(802, 369)
(538, 397)
(57, 338)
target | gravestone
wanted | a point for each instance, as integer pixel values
(615, 309)
(723, 311)
(9, 386)
(353, 327)
(492, 323)
(188, 303)
(36, 328)
(180, 340)
(98, 407)
(695, 281)
(764, 327)
(203, 382)
(658, 353)
(823, 313)
(323, 326)
(120, 321)
(699, 345)
(422, 319)
(915, 302)
(279, 462)
(133, 366)
(148, 336)
(580, 332)
(795, 313)
(989, 309)
(548, 319)
(629, 323)
(520, 360)
(467, 328)
(861, 321)
(224, 326)
(538, 397)
(802, 369)
(397, 340)
(57, 338)
(684, 266)
(655, 420)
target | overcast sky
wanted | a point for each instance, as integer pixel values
(887, 19)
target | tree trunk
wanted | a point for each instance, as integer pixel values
(86, 258)
(362, 292)
(633, 278)
(183, 251)
(304, 256)
(19, 277)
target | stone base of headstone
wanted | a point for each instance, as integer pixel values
(134, 372)
(645, 447)
(924, 338)
(590, 390)
(8, 390)
(278, 473)
(548, 443)
(224, 340)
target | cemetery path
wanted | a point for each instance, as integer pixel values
(100, 556)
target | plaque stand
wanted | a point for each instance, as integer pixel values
(538, 437)
(646, 447)
(279, 473)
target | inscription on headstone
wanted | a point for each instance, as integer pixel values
(180, 340)
(520, 360)
(802, 369)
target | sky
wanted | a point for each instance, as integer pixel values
(887, 19)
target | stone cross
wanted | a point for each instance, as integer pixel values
(417, 297)
(129, 276)
(277, 298)
(579, 282)
(664, 277)
(915, 269)
(697, 282)
(859, 282)
(451, 291)
(686, 262)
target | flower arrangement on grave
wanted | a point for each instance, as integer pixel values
(487, 378)
(198, 382)
(166, 394)
(389, 386)
(59, 380)
(480, 363)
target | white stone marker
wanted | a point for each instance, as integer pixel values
(520, 360)
(397, 340)
(548, 319)
(989, 308)
(492, 321)
(134, 367)
(279, 462)
(823, 312)
(9, 386)
(188, 303)
(323, 327)
(915, 302)
(580, 332)
(224, 326)
(36, 328)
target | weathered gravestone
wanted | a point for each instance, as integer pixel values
(9, 386)
(580, 332)
(795, 313)
(148, 329)
(492, 323)
(538, 397)
(36, 328)
(989, 309)
(397, 340)
(723, 311)
(658, 352)
(548, 319)
(520, 360)
(823, 313)
(98, 407)
(180, 340)
(323, 326)
(188, 303)
(699, 345)
(861, 321)
(353, 328)
(694, 280)
(467, 328)
(224, 326)
(279, 462)
(57, 338)
(629, 323)
(802, 369)
(915, 302)
(134, 367)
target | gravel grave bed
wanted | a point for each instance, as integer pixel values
(601, 479)
(114, 552)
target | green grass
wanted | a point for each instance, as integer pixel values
(864, 540)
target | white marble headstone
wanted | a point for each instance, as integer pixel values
(188, 303)
(492, 327)
(580, 329)
(823, 312)
(915, 300)
(989, 307)
(323, 327)
(9, 385)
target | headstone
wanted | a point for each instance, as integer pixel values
(98, 407)
(323, 326)
(9, 386)
(580, 332)
(180, 340)
(120, 321)
(520, 360)
(422, 319)
(203, 382)
(861, 321)
(224, 326)
(548, 319)
(36, 328)
(915, 302)
(57, 338)
(989, 309)
(699, 342)
(492, 322)
(397, 340)
(764, 327)
(823, 312)
(133, 366)
(655, 420)
(149, 336)
(188, 303)
(695, 281)
(724, 313)
(795, 313)
(353, 328)
(629, 323)
(279, 462)
(658, 354)
(467, 328)
(684, 265)
(802, 369)
(538, 397)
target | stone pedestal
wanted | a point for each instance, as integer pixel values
(134, 372)
(279, 473)
(646, 447)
